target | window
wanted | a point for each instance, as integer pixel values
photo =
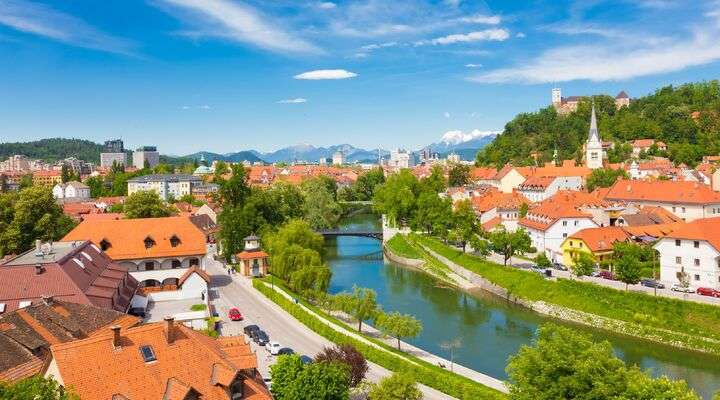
(25, 303)
(564, 223)
(564, 235)
(678, 260)
(79, 263)
(697, 262)
(571, 243)
(176, 264)
(174, 241)
(86, 255)
(147, 354)
(683, 209)
(674, 209)
(149, 266)
(576, 223)
(696, 244)
(194, 262)
(149, 242)
(94, 247)
(677, 242)
(697, 277)
(104, 244)
(2, 308)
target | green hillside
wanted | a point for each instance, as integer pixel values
(54, 149)
(665, 115)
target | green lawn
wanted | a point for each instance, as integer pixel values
(659, 312)
(400, 246)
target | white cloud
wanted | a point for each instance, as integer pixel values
(326, 74)
(485, 35)
(452, 3)
(185, 107)
(471, 65)
(520, 35)
(610, 62)
(298, 100)
(446, 114)
(326, 5)
(204, 107)
(240, 22)
(41, 20)
(481, 19)
(457, 137)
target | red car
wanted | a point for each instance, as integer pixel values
(605, 274)
(703, 291)
(234, 315)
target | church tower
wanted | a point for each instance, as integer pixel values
(556, 97)
(593, 146)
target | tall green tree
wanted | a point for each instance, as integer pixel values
(35, 388)
(435, 182)
(628, 270)
(509, 244)
(35, 215)
(583, 265)
(604, 177)
(146, 204)
(398, 386)
(397, 197)
(346, 354)
(364, 188)
(293, 380)
(459, 175)
(433, 214)
(320, 208)
(234, 191)
(398, 325)
(465, 223)
(565, 364)
(361, 304)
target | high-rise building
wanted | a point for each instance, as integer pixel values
(113, 153)
(146, 155)
(338, 158)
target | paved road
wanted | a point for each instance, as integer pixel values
(236, 291)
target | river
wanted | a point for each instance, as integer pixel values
(489, 328)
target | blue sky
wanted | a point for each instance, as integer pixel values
(228, 75)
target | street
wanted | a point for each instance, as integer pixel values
(229, 291)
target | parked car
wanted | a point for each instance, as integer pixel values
(559, 266)
(652, 283)
(273, 348)
(261, 338)
(285, 351)
(268, 383)
(137, 311)
(676, 287)
(234, 315)
(306, 359)
(250, 330)
(704, 291)
(605, 274)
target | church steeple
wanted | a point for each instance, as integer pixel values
(593, 146)
(594, 136)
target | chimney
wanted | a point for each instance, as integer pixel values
(38, 243)
(48, 300)
(116, 336)
(170, 329)
(39, 269)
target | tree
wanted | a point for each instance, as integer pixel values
(293, 380)
(364, 188)
(465, 223)
(35, 388)
(396, 198)
(348, 355)
(565, 364)
(31, 214)
(97, 186)
(459, 175)
(543, 261)
(146, 204)
(361, 304)
(320, 209)
(234, 191)
(65, 174)
(433, 214)
(26, 181)
(628, 270)
(509, 244)
(311, 279)
(604, 177)
(524, 207)
(398, 386)
(398, 325)
(435, 182)
(584, 265)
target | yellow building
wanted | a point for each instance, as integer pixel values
(46, 178)
(597, 242)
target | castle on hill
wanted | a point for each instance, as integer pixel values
(566, 105)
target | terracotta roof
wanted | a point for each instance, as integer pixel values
(192, 362)
(707, 229)
(568, 168)
(26, 334)
(680, 192)
(480, 173)
(563, 204)
(600, 239)
(536, 183)
(77, 272)
(656, 231)
(194, 270)
(642, 143)
(492, 223)
(247, 255)
(650, 215)
(127, 237)
(622, 95)
(497, 199)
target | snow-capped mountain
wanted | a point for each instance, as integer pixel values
(459, 140)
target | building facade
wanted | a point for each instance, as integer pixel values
(71, 190)
(690, 255)
(146, 155)
(166, 185)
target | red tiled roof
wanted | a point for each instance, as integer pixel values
(707, 229)
(248, 255)
(601, 239)
(680, 192)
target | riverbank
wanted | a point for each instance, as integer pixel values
(685, 325)
(377, 352)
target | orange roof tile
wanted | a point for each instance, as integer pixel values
(680, 192)
(707, 229)
(494, 198)
(127, 237)
(481, 173)
(247, 255)
(601, 239)
(193, 361)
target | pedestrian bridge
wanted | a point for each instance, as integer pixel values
(335, 233)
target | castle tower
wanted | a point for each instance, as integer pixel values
(556, 97)
(593, 146)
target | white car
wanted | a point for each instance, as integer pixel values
(676, 287)
(268, 383)
(273, 348)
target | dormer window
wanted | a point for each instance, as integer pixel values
(174, 241)
(104, 245)
(149, 242)
(147, 353)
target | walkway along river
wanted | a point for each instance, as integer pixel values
(490, 329)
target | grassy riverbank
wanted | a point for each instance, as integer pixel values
(683, 317)
(387, 357)
(400, 246)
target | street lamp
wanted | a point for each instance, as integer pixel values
(451, 345)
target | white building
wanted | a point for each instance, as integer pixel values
(108, 159)
(338, 158)
(71, 190)
(692, 253)
(400, 159)
(593, 146)
(146, 154)
(16, 163)
(539, 188)
(175, 185)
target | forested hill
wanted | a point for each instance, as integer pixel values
(53, 149)
(666, 115)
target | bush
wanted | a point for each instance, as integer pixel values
(198, 307)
